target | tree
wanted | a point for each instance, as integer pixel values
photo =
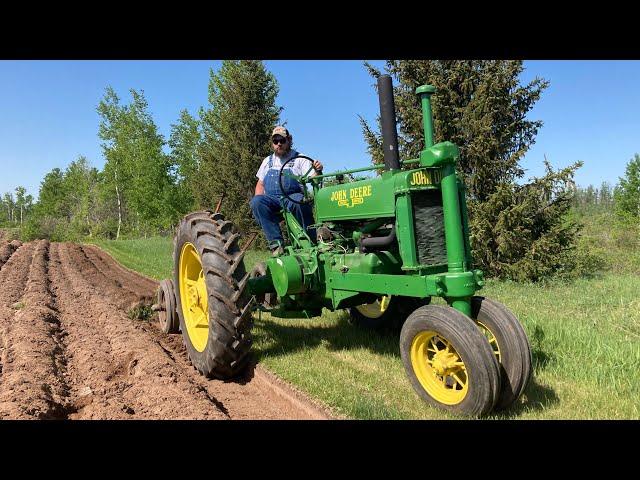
(479, 105)
(80, 183)
(51, 195)
(589, 200)
(482, 107)
(236, 136)
(627, 193)
(606, 195)
(21, 201)
(137, 172)
(523, 232)
(65, 201)
(9, 205)
(184, 141)
(110, 131)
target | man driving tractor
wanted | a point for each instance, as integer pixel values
(269, 195)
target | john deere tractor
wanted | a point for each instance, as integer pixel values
(385, 246)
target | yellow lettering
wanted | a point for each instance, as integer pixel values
(339, 196)
(356, 195)
(421, 178)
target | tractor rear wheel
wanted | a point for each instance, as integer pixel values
(449, 362)
(510, 345)
(385, 312)
(167, 316)
(213, 303)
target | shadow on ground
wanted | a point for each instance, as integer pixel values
(287, 339)
(536, 398)
(342, 335)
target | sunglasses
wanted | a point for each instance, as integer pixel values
(279, 140)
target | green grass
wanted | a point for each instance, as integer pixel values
(153, 256)
(585, 337)
(150, 256)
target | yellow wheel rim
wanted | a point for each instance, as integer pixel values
(439, 368)
(375, 309)
(193, 297)
(491, 338)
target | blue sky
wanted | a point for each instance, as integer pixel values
(48, 116)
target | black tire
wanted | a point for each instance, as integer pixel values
(482, 372)
(226, 353)
(167, 317)
(268, 300)
(515, 351)
(393, 317)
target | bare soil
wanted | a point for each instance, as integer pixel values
(69, 349)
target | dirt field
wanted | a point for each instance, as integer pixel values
(68, 349)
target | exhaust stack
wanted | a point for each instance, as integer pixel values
(388, 123)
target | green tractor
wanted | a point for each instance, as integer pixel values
(385, 246)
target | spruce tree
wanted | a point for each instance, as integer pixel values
(517, 231)
(236, 137)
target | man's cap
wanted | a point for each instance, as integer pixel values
(279, 130)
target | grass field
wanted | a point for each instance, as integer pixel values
(585, 337)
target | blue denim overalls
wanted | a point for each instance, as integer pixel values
(271, 183)
(266, 208)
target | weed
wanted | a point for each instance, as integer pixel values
(140, 311)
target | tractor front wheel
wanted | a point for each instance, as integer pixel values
(510, 346)
(449, 362)
(213, 303)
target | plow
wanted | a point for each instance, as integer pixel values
(384, 248)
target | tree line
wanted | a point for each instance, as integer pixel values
(520, 229)
(144, 190)
(14, 209)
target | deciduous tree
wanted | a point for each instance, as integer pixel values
(627, 193)
(184, 141)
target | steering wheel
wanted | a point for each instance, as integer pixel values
(302, 180)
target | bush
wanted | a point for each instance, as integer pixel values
(616, 240)
(526, 232)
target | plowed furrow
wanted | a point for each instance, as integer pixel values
(69, 350)
(110, 287)
(123, 373)
(33, 371)
(89, 356)
(7, 249)
(257, 396)
(13, 275)
(253, 397)
(130, 280)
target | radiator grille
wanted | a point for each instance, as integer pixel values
(428, 221)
